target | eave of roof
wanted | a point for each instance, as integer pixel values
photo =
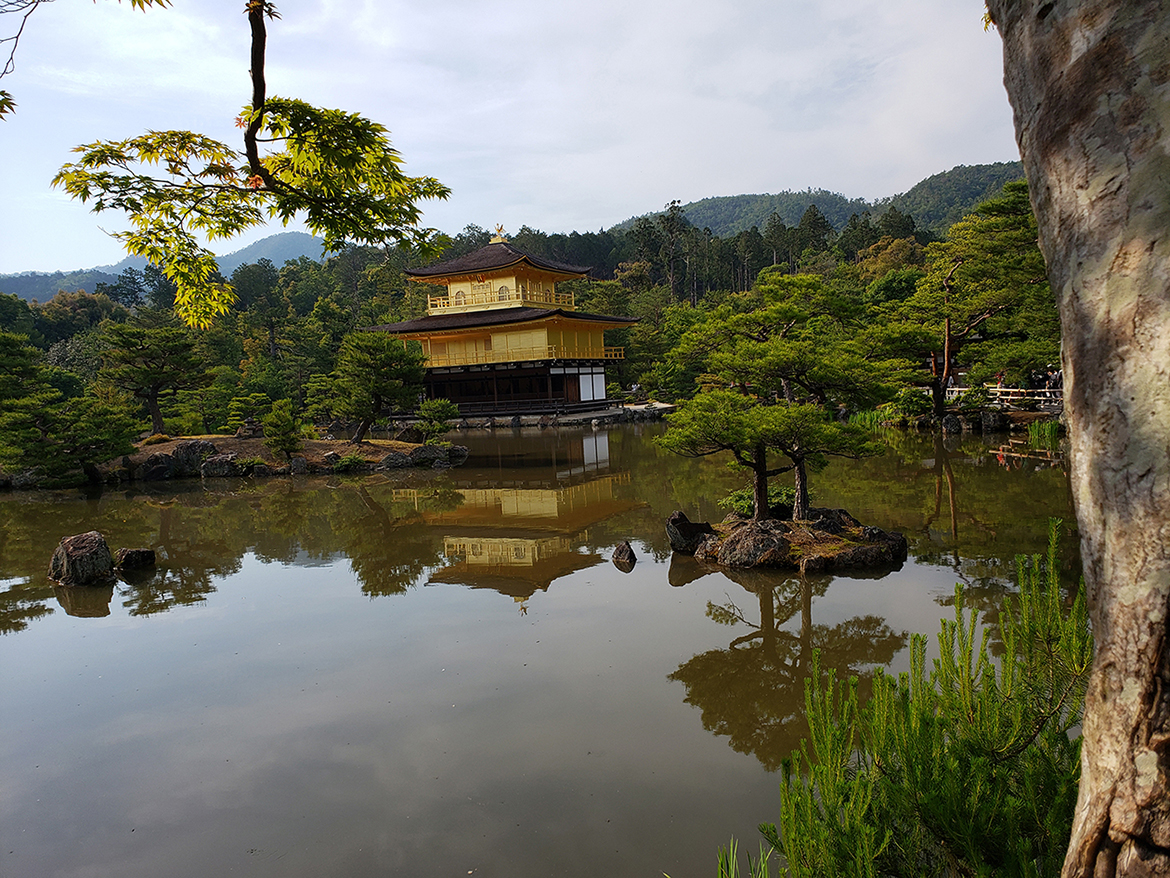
(493, 257)
(503, 316)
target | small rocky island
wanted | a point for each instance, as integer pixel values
(830, 540)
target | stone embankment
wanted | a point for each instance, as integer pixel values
(230, 457)
(618, 415)
(829, 541)
(200, 458)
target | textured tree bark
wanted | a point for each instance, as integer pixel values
(1089, 81)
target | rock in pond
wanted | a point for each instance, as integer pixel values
(82, 559)
(188, 457)
(624, 558)
(396, 460)
(135, 559)
(427, 455)
(685, 535)
(219, 466)
(830, 540)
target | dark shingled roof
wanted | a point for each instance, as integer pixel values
(492, 257)
(472, 319)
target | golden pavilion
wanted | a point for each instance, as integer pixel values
(504, 339)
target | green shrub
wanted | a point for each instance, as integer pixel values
(743, 501)
(282, 432)
(156, 439)
(973, 399)
(972, 770)
(912, 402)
(871, 419)
(435, 416)
(254, 405)
(348, 462)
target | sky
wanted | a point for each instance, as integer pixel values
(559, 116)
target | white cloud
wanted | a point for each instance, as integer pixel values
(556, 116)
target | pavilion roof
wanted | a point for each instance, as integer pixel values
(493, 257)
(502, 316)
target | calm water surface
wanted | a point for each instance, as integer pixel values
(443, 674)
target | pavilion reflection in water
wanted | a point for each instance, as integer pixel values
(525, 519)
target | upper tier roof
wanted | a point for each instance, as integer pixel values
(494, 257)
(475, 319)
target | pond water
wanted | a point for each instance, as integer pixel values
(442, 673)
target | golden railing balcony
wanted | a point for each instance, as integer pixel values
(514, 355)
(501, 298)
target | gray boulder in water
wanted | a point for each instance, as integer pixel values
(82, 559)
(684, 534)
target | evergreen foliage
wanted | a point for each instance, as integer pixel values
(374, 374)
(716, 421)
(435, 416)
(970, 770)
(60, 436)
(153, 358)
(282, 432)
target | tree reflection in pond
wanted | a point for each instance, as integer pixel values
(753, 691)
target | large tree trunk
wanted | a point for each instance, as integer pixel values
(156, 418)
(1090, 84)
(763, 511)
(800, 485)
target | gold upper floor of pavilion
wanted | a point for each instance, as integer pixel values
(496, 277)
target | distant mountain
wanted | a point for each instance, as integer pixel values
(730, 215)
(277, 248)
(940, 201)
(935, 203)
(42, 286)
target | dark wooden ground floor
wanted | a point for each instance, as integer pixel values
(536, 387)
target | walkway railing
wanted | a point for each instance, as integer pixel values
(1016, 396)
(535, 407)
(510, 297)
(521, 355)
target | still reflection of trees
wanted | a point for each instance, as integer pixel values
(389, 545)
(201, 533)
(957, 507)
(31, 525)
(753, 691)
(191, 554)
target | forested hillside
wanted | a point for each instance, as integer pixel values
(935, 203)
(733, 214)
(942, 200)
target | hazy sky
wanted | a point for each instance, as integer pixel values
(555, 115)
